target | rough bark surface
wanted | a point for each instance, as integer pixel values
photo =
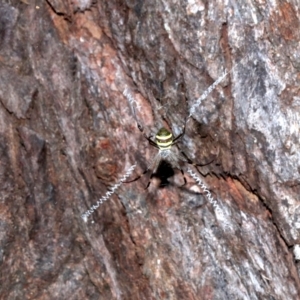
(76, 77)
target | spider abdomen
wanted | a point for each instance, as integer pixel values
(164, 139)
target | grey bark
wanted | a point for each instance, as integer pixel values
(68, 133)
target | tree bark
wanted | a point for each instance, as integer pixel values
(83, 83)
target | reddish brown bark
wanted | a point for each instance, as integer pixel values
(68, 133)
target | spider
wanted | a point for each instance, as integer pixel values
(164, 142)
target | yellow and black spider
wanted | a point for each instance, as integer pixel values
(165, 142)
(167, 152)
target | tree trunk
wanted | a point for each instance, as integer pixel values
(85, 87)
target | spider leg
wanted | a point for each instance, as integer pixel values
(151, 142)
(186, 159)
(149, 181)
(182, 172)
(181, 134)
(178, 137)
(138, 177)
(153, 165)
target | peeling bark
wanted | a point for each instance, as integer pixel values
(76, 78)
